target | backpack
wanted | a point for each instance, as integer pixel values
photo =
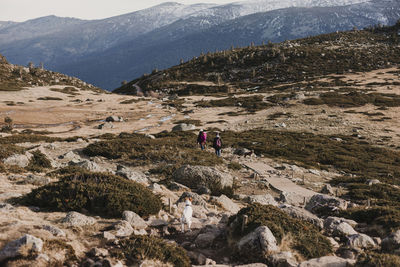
(218, 143)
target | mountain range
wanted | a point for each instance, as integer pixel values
(108, 51)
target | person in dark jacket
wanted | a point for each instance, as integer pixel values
(217, 145)
(202, 139)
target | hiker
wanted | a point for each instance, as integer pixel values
(202, 139)
(217, 145)
(187, 214)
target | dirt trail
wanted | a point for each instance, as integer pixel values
(280, 184)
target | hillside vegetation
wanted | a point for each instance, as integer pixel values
(296, 63)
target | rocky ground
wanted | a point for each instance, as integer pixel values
(35, 235)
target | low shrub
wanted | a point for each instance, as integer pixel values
(373, 259)
(7, 150)
(137, 248)
(98, 193)
(47, 98)
(234, 166)
(355, 99)
(176, 148)
(38, 162)
(382, 220)
(281, 225)
(250, 103)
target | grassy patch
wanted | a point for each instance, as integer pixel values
(175, 148)
(130, 101)
(234, 166)
(50, 98)
(320, 151)
(355, 99)
(7, 150)
(137, 248)
(373, 259)
(38, 162)
(33, 138)
(250, 103)
(303, 233)
(188, 121)
(98, 193)
(69, 90)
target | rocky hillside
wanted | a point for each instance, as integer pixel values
(309, 172)
(106, 52)
(15, 78)
(260, 68)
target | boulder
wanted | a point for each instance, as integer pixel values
(54, 230)
(77, 219)
(283, 259)
(122, 229)
(132, 175)
(178, 187)
(241, 151)
(88, 165)
(319, 201)
(338, 227)
(361, 241)
(21, 245)
(198, 176)
(183, 127)
(260, 242)
(302, 214)
(134, 220)
(5, 207)
(70, 156)
(106, 125)
(373, 181)
(205, 240)
(292, 199)
(391, 242)
(327, 261)
(226, 203)
(114, 119)
(17, 160)
(196, 199)
(266, 199)
(327, 189)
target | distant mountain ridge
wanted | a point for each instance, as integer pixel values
(105, 52)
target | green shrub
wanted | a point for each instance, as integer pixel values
(373, 259)
(281, 225)
(176, 148)
(234, 166)
(250, 103)
(47, 98)
(382, 220)
(137, 248)
(7, 150)
(99, 193)
(38, 162)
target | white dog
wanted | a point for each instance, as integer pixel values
(187, 214)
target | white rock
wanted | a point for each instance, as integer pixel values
(122, 229)
(16, 247)
(361, 241)
(227, 204)
(266, 199)
(135, 220)
(77, 219)
(54, 230)
(17, 160)
(327, 261)
(260, 239)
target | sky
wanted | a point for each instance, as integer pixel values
(21, 10)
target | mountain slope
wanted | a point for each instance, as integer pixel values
(165, 46)
(263, 67)
(106, 52)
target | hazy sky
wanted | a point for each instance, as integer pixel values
(21, 10)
